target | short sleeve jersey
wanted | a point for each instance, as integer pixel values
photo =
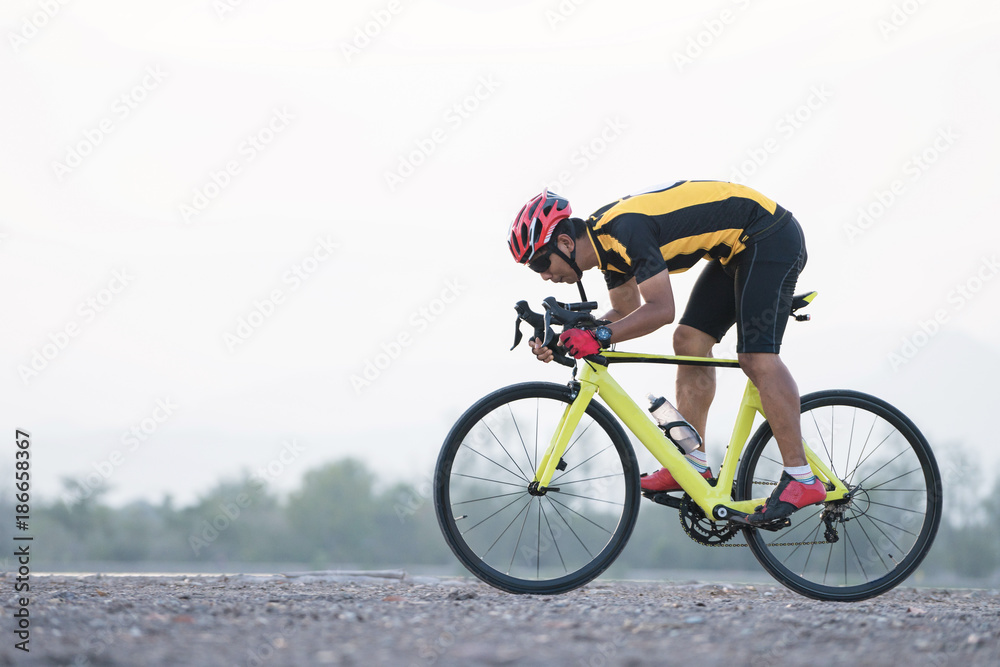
(673, 227)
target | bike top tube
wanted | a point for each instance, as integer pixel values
(613, 357)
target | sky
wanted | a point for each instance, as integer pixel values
(254, 237)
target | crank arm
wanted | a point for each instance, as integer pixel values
(742, 519)
(663, 498)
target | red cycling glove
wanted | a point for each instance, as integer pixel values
(580, 343)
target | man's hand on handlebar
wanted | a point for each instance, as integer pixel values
(572, 316)
(580, 343)
(542, 353)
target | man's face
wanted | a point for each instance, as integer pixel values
(552, 267)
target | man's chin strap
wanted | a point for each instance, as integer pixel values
(571, 260)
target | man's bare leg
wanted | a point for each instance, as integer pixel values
(779, 396)
(695, 384)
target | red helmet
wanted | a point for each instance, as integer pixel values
(533, 226)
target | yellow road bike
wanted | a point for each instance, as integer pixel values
(537, 486)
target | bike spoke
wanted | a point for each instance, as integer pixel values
(850, 475)
(591, 498)
(504, 531)
(518, 429)
(579, 515)
(882, 489)
(819, 432)
(862, 482)
(812, 538)
(555, 542)
(521, 472)
(850, 437)
(473, 449)
(573, 444)
(486, 479)
(476, 500)
(566, 472)
(872, 542)
(895, 507)
(534, 463)
(559, 514)
(538, 543)
(774, 461)
(833, 433)
(875, 521)
(799, 523)
(829, 557)
(469, 530)
(861, 565)
(870, 454)
(520, 534)
(587, 479)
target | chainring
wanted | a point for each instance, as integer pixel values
(700, 528)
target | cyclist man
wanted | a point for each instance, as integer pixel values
(755, 251)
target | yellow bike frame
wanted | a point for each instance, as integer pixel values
(596, 379)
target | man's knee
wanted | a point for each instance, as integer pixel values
(690, 342)
(756, 363)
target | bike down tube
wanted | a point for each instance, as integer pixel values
(652, 437)
(560, 439)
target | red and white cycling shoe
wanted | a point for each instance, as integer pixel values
(662, 481)
(789, 496)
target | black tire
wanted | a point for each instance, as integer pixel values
(884, 531)
(524, 543)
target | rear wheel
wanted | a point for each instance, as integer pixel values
(862, 547)
(505, 533)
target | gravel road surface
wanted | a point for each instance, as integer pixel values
(395, 619)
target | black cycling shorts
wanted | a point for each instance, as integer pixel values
(754, 291)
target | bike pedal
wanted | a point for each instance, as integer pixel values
(741, 519)
(780, 524)
(663, 498)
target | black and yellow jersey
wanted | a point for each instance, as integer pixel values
(673, 227)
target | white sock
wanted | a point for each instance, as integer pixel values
(697, 459)
(802, 474)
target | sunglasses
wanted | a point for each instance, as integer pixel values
(541, 263)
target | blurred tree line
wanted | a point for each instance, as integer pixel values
(339, 518)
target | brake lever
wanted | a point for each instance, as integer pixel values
(517, 333)
(549, 333)
(524, 313)
(543, 331)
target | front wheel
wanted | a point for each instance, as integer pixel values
(862, 547)
(502, 530)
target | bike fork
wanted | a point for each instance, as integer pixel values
(570, 419)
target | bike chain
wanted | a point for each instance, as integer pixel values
(744, 544)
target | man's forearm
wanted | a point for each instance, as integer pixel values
(643, 320)
(612, 315)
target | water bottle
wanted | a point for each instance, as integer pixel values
(674, 426)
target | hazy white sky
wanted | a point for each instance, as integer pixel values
(214, 215)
